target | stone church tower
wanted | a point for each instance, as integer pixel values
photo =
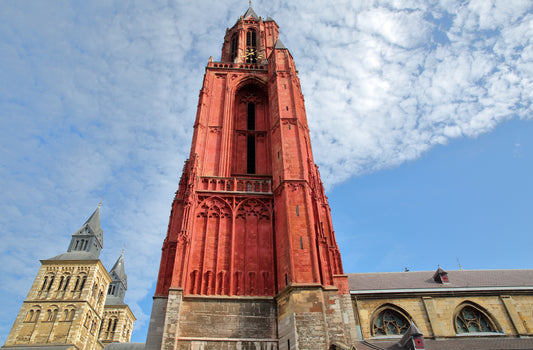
(250, 258)
(69, 299)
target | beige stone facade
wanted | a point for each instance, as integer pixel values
(435, 315)
(70, 304)
(117, 324)
(64, 305)
(467, 312)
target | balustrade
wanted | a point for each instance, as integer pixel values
(235, 184)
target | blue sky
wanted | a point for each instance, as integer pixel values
(420, 116)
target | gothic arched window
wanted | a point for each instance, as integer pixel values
(471, 319)
(234, 46)
(251, 43)
(389, 321)
(251, 38)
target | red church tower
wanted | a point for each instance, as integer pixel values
(250, 258)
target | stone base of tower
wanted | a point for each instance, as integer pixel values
(212, 322)
(311, 317)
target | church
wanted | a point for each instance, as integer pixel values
(74, 302)
(250, 259)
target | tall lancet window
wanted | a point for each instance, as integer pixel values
(234, 46)
(250, 147)
(251, 47)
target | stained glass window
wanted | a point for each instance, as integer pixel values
(390, 322)
(472, 320)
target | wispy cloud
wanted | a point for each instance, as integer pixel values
(98, 99)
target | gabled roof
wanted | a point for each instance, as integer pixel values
(387, 282)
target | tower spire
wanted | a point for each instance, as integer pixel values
(250, 12)
(87, 241)
(119, 283)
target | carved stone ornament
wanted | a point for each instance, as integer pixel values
(214, 207)
(215, 129)
(253, 207)
(287, 121)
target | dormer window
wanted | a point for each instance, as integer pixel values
(441, 276)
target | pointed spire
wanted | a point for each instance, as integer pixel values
(119, 283)
(250, 12)
(118, 272)
(93, 223)
(279, 45)
(87, 241)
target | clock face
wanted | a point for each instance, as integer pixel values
(251, 55)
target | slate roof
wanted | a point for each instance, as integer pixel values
(112, 300)
(125, 346)
(423, 280)
(118, 273)
(454, 344)
(42, 347)
(250, 12)
(279, 45)
(91, 228)
(77, 255)
(93, 222)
